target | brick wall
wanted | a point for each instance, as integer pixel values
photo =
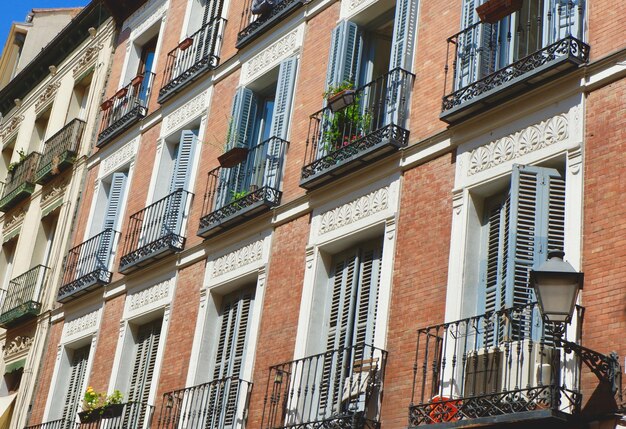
(607, 26)
(420, 276)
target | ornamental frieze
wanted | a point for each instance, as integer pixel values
(47, 95)
(18, 346)
(239, 258)
(355, 210)
(11, 127)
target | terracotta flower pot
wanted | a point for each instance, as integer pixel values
(185, 43)
(137, 80)
(106, 105)
(341, 99)
(121, 93)
(493, 11)
(233, 157)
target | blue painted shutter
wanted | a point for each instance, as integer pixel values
(242, 116)
(529, 223)
(280, 119)
(111, 218)
(184, 160)
(74, 392)
(403, 34)
(467, 50)
(344, 58)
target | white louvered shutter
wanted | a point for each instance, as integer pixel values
(229, 357)
(367, 295)
(344, 58)
(467, 50)
(280, 119)
(403, 35)
(74, 393)
(144, 362)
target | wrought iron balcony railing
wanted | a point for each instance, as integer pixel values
(156, 231)
(87, 266)
(368, 129)
(56, 424)
(192, 57)
(264, 21)
(131, 415)
(22, 298)
(220, 404)
(60, 151)
(497, 367)
(490, 63)
(125, 108)
(20, 182)
(338, 389)
(236, 194)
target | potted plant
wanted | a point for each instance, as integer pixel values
(344, 127)
(493, 11)
(185, 44)
(340, 96)
(234, 154)
(12, 166)
(97, 405)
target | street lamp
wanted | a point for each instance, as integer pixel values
(556, 286)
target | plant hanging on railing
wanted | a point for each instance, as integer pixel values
(344, 126)
(97, 405)
(13, 165)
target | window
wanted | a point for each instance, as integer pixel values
(38, 137)
(78, 103)
(7, 153)
(519, 229)
(44, 240)
(74, 381)
(6, 262)
(203, 12)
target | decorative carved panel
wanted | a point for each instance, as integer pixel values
(355, 210)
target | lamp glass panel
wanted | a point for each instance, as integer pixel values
(557, 296)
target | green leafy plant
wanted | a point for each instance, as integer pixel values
(342, 128)
(93, 400)
(238, 195)
(13, 165)
(336, 89)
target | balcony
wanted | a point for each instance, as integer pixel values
(20, 182)
(125, 108)
(193, 57)
(131, 415)
(276, 13)
(338, 389)
(56, 424)
(22, 299)
(234, 195)
(216, 405)
(87, 266)
(155, 231)
(492, 63)
(370, 128)
(60, 151)
(498, 368)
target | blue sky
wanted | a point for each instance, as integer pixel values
(16, 10)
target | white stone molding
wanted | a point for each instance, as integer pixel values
(14, 222)
(17, 347)
(357, 209)
(530, 139)
(86, 60)
(184, 114)
(84, 325)
(145, 16)
(11, 127)
(47, 96)
(237, 259)
(350, 7)
(52, 197)
(271, 56)
(119, 158)
(149, 299)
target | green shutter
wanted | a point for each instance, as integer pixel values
(74, 392)
(344, 58)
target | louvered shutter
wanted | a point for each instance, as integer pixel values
(467, 49)
(111, 219)
(367, 295)
(344, 57)
(243, 115)
(403, 35)
(529, 223)
(75, 381)
(229, 357)
(280, 119)
(142, 374)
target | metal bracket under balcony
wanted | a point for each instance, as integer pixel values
(86, 266)
(60, 151)
(21, 300)
(125, 108)
(265, 21)
(187, 63)
(155, 232)
(502, 367)
(519, 77)
(20, 183)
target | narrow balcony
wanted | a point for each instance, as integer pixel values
(155, 231)
(22, 299)
(494, 369)
(60, 151)
(218, 404)
(125, 108)
(56, 424)
(131, 415)
(234, 195)
(338, 389)
(193, 57)
(272, 14)
(492, 63)
(369, 128)
(20, 182)
(87, 266)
